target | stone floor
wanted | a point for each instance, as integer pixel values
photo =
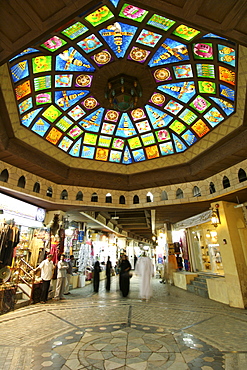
(175, 330)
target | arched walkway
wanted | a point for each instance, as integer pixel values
(175, 329)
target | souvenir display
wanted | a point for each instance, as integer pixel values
(74, 90)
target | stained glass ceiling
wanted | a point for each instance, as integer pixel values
(186, 82)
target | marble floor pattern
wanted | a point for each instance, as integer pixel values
(174, 330)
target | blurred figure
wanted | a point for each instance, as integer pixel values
(62, 268)
(125, 268)
(96, 278)
(145, 269)
(108, 272)
(69, 274)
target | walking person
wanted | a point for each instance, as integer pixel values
(96, 276)
(69, 274)
(145, 269)
(108, 273)
(62, 268)
(47, 269)
(125, 268)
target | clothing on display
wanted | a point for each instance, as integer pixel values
(9, 238)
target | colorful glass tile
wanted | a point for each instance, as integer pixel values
(134, 142)
(75, 132)
(166, 148)
(152, 152)
(83, 80)
(226, 55)
(203, 51)
(169, 52)
(118, 36)
(148, 38)
(25, 105)
(54, 43)
(185, 32)
(28, 118)
(227, 75)
(157, 99)
(183, 71)
(207, 87)
(213, 117)
(205, 70)
(161, 22)
(42, 64)
(173, 107)
(20, 71)
(75, 150)
(23, 90)
(71, 60)
(63, 80)
(200, 104)
(133, 12)
(64, 124)
(43, 98)
(101, 15)
(178, 144)
(76, 113)
(226, 92)
(138, 155)
(90, 43)
(127, 159)
(101, 154)
(143, 126)
(157, 117)
(108, 128)
(65, 99)
(188, 116)
(51, 113)
(118, 143)
(226, 106)
(162, 135)
(65, 143)
(90, 139)
(138, 55)
(104, 141)
(115, 156)
(200, 128)
(41, 127)
(74, 31)
(125, 127)
(189, 137)
(183, 91)
(88, 152)
(53, 136)
(42, 83)
(148, 139)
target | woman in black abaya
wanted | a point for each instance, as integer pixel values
(96, 271)
(125, 268)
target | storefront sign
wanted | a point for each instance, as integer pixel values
(12, 208)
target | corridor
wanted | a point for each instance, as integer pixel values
(175, 330)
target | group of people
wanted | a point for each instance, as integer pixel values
(64, 273)
(143, 268)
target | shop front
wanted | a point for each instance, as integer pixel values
(22, 240)
(216, 241)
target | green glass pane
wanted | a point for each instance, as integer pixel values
(161, 22)
(99, 16)
(41, 64)
(74, 31)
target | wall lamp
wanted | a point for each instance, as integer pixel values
(215, 217)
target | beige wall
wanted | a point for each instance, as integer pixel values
(232, 229)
